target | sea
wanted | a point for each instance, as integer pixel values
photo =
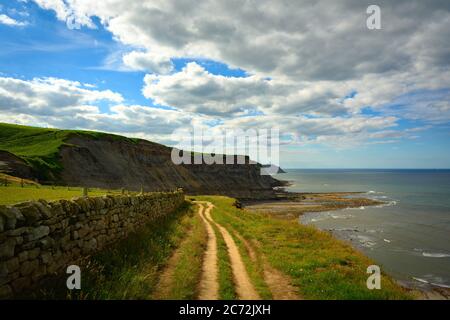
(408, 236)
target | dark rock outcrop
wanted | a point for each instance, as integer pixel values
(15, 166)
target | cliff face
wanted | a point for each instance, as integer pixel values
(113, 164)
(15, 166)
(96, 159)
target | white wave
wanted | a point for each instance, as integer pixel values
(379, 197)
(433, 282)
(343, 216)
(435, 255)
(374, 192)
(386, 240)
(366, 241)
(387, 204)
(420, 280)
(369, 244)
(440, 285)
(355, 208)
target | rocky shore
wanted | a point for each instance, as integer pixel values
(291, 205)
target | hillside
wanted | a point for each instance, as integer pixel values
(95, 159)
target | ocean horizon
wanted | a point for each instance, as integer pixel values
(368, 169)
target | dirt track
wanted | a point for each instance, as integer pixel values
(244, 287)
(209, 286)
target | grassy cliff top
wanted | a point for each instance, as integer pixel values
(40, 147)
(28, 141)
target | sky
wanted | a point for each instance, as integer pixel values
(342, 95)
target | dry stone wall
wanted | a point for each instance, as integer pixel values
(40, 238)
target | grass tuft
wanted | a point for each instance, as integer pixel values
(226, 283)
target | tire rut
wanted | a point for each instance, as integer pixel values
(209, 285)
(244, 288)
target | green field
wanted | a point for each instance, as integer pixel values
(15, 194)
(42, 142)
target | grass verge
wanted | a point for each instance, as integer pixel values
(321, 266)
(187, 268)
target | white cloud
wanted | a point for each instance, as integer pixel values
(69, 104)
(6, 20)
(50, 96)
(70, 11)
(148, 61)
(194, 89)
(304, 40)
(315, 54)
(321, 44)
(332, 131)
(61, 103)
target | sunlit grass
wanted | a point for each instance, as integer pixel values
(320, 266)
(227, 290)
(255, 269)
(188, 268)
(15, 193)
